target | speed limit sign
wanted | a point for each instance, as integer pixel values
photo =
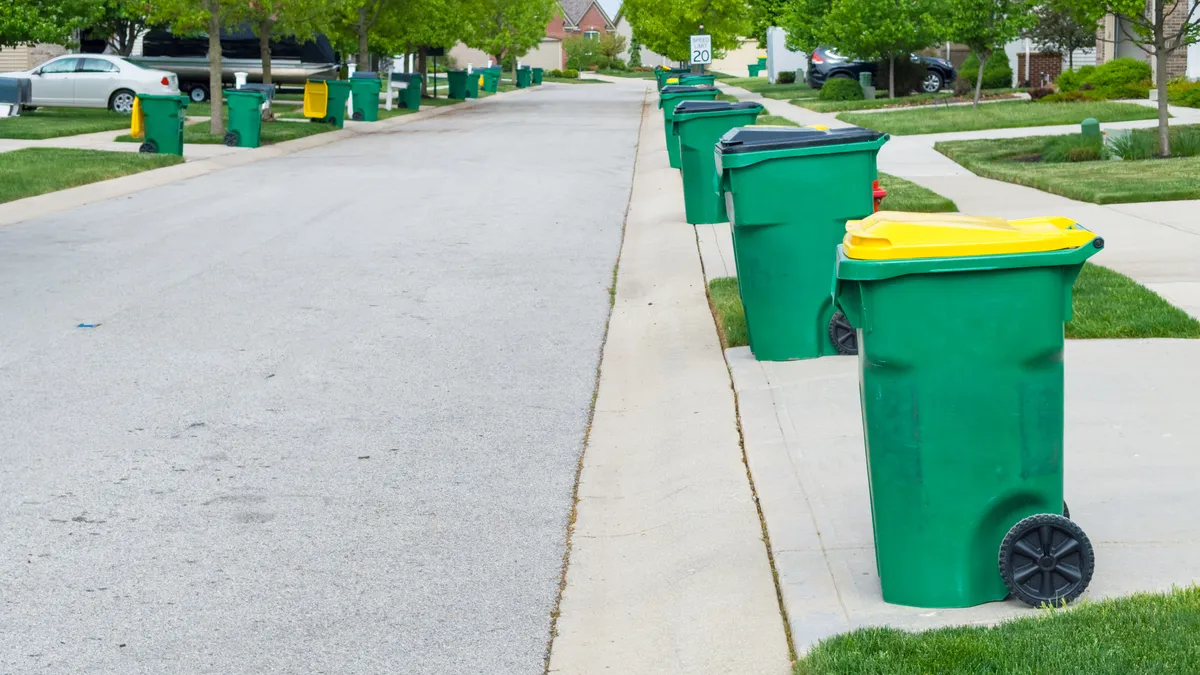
(701, 49)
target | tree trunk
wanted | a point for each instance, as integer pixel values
(364, 59)
(264, 48)
(216, 124)
(892, 76)
(983, 57)
(423, 69)
(1161, 56)
(1071, 60)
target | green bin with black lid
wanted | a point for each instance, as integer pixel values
(789, 192)
(672, 96)
(699, 125)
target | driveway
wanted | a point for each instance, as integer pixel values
(329, 415)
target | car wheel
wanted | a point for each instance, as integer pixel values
(932, 83)
(121, 101)
(198, 93)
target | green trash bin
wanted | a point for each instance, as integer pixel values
(162, 118)
(664, 74)
(245, 118)
(789, 192)
(457, 80)
(960, 325)
(410, 96)
(364, 92)
(491, 80)
(762, 62)
(699, 125)
(537, 75)
(668, 98)
(697, 80)
(524, 77)
(754, 69)
(335, 107)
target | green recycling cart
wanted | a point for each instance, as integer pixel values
(661, 75)
(364, 92)
(789, 192)
(245, 118)
(668, 98)
(754, 69)
(463, 84)
(699, 125)
(161, 118)
(491, 80)
(410, 96)
(524, 77)
(537, 74)
(697, 80)
(960, 325)
(339, 92)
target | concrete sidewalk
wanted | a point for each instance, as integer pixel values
(1130, 467)
(668, 572)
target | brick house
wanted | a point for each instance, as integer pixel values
(1112, 42)
(571, 18)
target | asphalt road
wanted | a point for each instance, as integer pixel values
(329, 418)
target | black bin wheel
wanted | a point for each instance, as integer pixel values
(1066, 511)
(358, 115)
(232, 138)
(843, 335)
(149, 147)
(1046, 560)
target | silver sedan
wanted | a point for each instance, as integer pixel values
(95, 81)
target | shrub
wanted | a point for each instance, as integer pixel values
(1185, 141)
(997, 74)
(1073, 148)
(1039, 93)
(1184, 93)
(1133, 146)
(569, 73)
(962, 86)
(617, 64)
(554, 73)
(786, 77)
(841, 89)
(1069, 97)
(1118, 72)
(1071, 80)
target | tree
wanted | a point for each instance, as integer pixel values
(1160, 29)
(881, 29)
(409, 26)
(510, 28)
(610, 46)
(763, 15)
(121, 22)
(27, 22)
(665, 26)
(301, 19)
(360, 17)
(208, 17)
(635, 53)
(1060, 28)
(984, 25)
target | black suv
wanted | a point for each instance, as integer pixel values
(825, 63)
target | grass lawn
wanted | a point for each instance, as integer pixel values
(774, 121)
(902, 102)
(56, 122)
(35, 171)
(1142, 633)
(759, 85)
(627, 73)
(996, 116)
(1100, 182)
(727, 97)
(905, 196)
(1107, 305)
(272, 132)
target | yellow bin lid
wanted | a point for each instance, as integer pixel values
(898, 235)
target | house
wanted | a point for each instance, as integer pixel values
(1112, 41)
(25, 57)
(571, 17)
(646, 57)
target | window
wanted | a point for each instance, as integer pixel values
(97, 66)
(591, 34)
(60, 66)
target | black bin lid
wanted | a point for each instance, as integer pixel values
(681, 88)
(365, 74)
(691, 106)
(406, 77)
(762, 139)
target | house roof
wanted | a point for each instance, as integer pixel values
(573, 10)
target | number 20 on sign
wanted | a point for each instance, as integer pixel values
(701, 49)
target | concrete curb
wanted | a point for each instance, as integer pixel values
(53, 202)
(668, 571)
